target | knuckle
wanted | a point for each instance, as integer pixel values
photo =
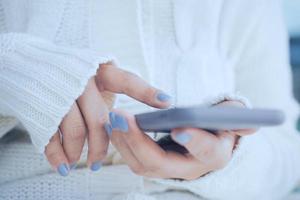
(128, 76)
(127, 79)
(76, 132)
(149, 93)
(96, 125)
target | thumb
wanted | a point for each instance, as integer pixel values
(210, 149)
(197, 141)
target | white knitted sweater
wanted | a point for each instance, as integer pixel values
(49, 49)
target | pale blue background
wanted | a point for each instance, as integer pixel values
(292, 15)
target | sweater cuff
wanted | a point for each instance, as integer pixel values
(40, 82)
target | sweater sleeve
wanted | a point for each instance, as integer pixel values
(39, 82)
(264, 165)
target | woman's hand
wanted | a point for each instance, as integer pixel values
(207, 151)
(89, 114)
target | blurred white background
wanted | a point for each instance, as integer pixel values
(292, 13)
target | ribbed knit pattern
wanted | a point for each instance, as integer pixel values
(68, 26)
(40, 81)
(198, 49)
(2, 18)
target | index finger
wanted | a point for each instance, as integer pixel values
(117, 80)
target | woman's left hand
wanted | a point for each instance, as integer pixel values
(207, 151)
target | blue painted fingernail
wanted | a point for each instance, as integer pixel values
(73, 165)
(63, 169)
(118, 122)
(108, 129)
(163, 97)
(183, 138)
(96, 166)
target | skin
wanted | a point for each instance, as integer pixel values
(207, 152)
(86, 122)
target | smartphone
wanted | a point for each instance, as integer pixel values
(211, 119)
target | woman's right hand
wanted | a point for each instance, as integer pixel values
(88, 117)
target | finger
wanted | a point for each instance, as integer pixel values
(211, 150)
(117, 80)
(124, 124)
(95, 114)
(127, 155)
(240, 132)
(74, 132)
(56, 156)
(109, 98)
(154, 160)
(244, 132)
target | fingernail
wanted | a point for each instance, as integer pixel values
(73, 165)
(108, 129)
(118, 122)
(163, 97)
(63, 169)
(96, 166)
(183, 138)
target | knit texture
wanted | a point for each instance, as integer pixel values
(2, 18)
(197, 49)
(40, 81)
